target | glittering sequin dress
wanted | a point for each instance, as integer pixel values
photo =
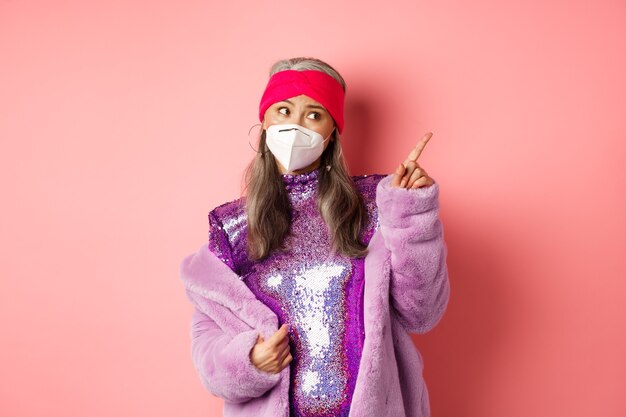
(319, 294)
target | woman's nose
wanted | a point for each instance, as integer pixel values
(297, 118)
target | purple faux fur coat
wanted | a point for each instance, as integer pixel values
(406, 291)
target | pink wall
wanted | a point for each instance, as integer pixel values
(123, 123)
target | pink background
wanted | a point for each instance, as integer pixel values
(123, 123)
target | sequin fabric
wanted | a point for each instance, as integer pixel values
(318, 293)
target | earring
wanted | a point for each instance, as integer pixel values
(255, 150)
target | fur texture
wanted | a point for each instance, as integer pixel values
(406, 291)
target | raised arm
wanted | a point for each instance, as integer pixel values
(408, 210)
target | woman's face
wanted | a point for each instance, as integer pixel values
(304, 111)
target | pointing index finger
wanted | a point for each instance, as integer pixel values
(416, 152)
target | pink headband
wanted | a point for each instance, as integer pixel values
(318, 85)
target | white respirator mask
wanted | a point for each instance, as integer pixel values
(294, 146)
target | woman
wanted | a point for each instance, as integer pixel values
(311, 283)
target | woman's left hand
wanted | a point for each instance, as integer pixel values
(409, 174)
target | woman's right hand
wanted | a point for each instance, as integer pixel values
(273, 354)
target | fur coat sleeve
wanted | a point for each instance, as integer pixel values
(223, 361)
(413, 233)
(224, 327)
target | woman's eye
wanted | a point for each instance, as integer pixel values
(283, 110)
(315, 114)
